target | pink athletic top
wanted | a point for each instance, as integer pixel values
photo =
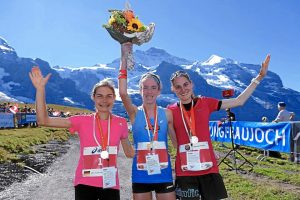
(83, 125)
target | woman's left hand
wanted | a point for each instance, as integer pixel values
(264, 68)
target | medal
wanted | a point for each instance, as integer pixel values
(104, 138)
(189, 123)
(194, 139)
(104, 155)
(150, 146)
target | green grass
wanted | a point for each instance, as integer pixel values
(239, 187)
(266, 177)
(20, 141)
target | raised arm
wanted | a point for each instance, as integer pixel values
(171, 130)
(39, 82)
(244, 96)
(126, 48)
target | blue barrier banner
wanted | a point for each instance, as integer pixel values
(7, 120)
(21, 118)
(30, 117)
(267, 136)
(25, 118)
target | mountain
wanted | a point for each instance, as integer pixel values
(72, 86)
(15, 82)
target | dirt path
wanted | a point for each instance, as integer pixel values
(57, 183)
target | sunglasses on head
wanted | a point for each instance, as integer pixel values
(179, 74)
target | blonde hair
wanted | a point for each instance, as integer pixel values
(155, 77)
(107, 82)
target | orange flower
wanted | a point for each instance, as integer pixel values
(129, 15)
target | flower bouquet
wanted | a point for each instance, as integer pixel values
(124, 26)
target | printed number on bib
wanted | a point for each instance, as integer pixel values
(93, 163)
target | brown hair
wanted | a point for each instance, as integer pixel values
(107, 82)
(181, 73)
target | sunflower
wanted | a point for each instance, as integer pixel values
(134, 25)
(111, 20)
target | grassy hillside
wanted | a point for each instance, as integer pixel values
(20, 141)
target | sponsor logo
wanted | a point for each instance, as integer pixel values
(187, 193)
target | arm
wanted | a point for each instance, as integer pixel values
(243, 97)
(171, 130)
(278, 118)
(292, 116)
(127, 148)
(131, 109)
(39, 82)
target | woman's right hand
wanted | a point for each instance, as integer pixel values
(37, 78)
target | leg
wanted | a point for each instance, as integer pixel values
(163, 196)
(142, 191)
(142, 196)
(165, 191)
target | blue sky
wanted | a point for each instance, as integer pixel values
(70, 33)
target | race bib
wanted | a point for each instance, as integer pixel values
(109, 177)
(152, 163)
(195, 157)
(158, 148)
(93, 163)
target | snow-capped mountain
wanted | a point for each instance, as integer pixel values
(15, 82)
(152, 58)
(6, 51)
(72, 86)
(5, 48)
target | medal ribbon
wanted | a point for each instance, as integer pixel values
(149, 126)
(190, 120)
(104, 138)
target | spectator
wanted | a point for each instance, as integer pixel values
(230, 115)
(264, 119)
(283, 114)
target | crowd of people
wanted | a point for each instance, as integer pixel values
(185, 122)
(7, 107)
(19, 112)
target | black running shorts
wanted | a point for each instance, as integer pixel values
(84, 192)
(149, 187)
(209, 187)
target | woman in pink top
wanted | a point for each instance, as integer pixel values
(100, 135)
